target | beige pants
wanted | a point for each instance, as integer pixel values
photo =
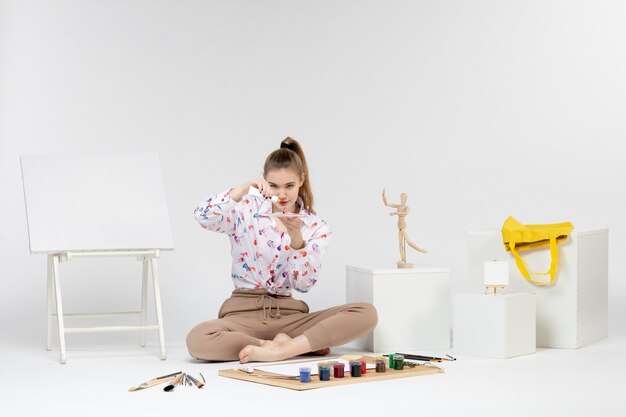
(250, 316)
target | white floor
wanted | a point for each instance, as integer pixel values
(95, 381)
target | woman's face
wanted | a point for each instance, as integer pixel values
(284, 183)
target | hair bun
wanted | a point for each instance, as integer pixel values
(287, 143)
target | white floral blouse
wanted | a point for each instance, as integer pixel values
(262, 256)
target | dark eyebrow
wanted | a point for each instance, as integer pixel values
(289, 183)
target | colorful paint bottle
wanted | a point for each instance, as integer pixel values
(363, 367)
(324, 373)
(398, 362)
(305, 374)
(355, 368)
(338, 370)
(319, 365)
(391, 361)
(380, 365)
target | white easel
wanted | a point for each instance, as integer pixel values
(93, 204)
(149, 260)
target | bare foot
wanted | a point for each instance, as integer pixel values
(282, 339)
(267, 343)
(266, 353)
(272, 350)
(279, 340)
(268, 349)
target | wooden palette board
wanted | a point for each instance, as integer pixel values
(276, 380)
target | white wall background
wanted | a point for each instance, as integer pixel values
(476, 109)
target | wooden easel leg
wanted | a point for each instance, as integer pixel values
(144, 298)
(59, 303)
(49, 303)
(157, 303)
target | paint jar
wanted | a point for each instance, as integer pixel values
(324, 373)
(391, 361)
(338, 370)
(319, 365)
(305, 374)
(355, 368)
(398, 362)
(380, 365)
(363, 367)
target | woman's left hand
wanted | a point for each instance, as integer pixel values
(294, 228)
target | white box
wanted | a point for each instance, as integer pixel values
(413, 307)
(574, 311)
(494, 326)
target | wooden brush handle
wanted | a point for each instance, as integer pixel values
(177, 380)
(153, 382)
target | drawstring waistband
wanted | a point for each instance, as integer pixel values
(274, 306)
(264, 300)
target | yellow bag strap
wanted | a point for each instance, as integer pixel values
(523, 267)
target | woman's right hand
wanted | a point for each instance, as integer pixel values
(263, 187)
(260, 184)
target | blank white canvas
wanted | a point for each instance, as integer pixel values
(95, 202)
(496, 273)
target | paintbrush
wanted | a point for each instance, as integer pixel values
(174, 382)
(195, 381)
(155, 381)
(425, 358)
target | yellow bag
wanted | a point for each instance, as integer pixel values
(517, 236)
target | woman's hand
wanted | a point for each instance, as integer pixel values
(260, 184)
(294, 228)
(263, 187)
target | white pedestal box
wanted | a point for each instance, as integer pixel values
(413, 307)
(494, 326)
(574, 311)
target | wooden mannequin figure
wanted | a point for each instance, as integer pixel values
(401, 211)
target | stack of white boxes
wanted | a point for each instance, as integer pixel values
(574, 311)
(414, 304)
